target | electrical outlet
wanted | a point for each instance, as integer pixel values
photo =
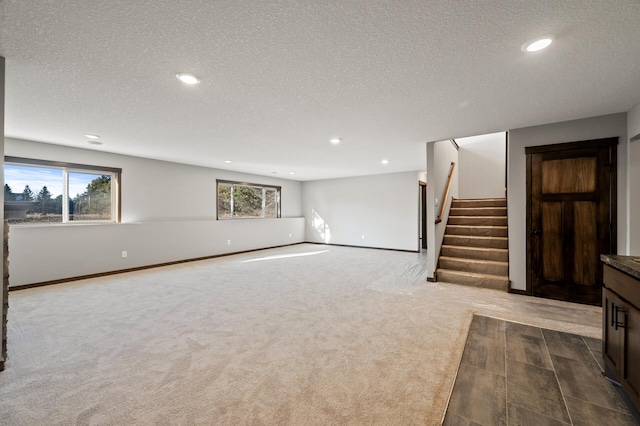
(228, 242)
(289, 234)
(124, 254)
(363, 236)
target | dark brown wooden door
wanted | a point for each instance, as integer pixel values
(571, 218)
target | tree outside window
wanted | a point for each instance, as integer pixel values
(244, 200)
(44, 189)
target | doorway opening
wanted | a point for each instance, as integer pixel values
(423, 215)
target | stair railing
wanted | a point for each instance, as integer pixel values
(443, 201)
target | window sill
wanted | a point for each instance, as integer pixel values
(248, 218)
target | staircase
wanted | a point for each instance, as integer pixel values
(475, 247)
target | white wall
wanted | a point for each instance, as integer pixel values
(440, 155)
(633, 129)
(168, 214)
(69, 251)
(482, 166)
(2, 299)
(383, 208)
(614, 125)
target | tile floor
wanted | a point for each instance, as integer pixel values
(515, 374)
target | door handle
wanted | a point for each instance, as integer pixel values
(536, 232)
(618, 323)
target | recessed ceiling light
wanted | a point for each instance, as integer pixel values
(95, 142)
(335, 141)
(537, 44)
(385, 161)
(187, 78)
(291, 173)
(90, 136)
(227, 161)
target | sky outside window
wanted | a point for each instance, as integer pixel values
(37, 177)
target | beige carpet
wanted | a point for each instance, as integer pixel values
(306, 334)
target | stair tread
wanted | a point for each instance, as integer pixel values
(475, 248)
(473, 274)
(481, 207)
(481, 202)
(477, 230)
(480, 226)
(486, 237)
(480, 199)
(465, 259)
(480, 217)
(478, 220)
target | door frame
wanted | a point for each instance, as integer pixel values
(611, 143)
(423, 214)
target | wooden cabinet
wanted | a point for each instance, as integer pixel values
(621, 329)
(631, 367)
(613, 331)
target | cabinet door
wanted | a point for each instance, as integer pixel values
(631, 376)
(613, 334)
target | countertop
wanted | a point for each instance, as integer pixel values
(627, 264)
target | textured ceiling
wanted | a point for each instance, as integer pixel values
(280, 78)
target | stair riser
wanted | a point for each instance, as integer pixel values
(486, 242)
(471, 253)
(473, 280)
(482, 211)
(477, 220)
(479, 203)
(482, 231)
(476, 267)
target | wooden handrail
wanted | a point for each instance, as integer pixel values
(443, 201)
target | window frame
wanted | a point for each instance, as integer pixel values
(116, 193)
(233, 183)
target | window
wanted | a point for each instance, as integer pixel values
(247, 200)
(34, 191)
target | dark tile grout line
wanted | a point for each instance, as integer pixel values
(542, 415)
(555, 374)
(506, 380)
(592, 354)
